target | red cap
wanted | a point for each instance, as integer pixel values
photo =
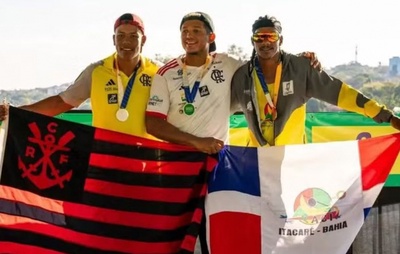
(130, 18)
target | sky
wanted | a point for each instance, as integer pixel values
(49, 42)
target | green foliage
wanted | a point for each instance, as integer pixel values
(24, 97)
(356, 74)
(374, 82)
(232, 50)
(386, 92)
(162, 59)
(237, 51)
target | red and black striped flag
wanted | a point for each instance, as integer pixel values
(72, 188)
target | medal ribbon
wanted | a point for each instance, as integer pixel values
(191, 95)
(270, 108)
(125, 95)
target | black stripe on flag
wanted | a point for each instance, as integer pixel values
(91, 227)
(141, 206)
(31, 238)
(144, 153)
(151, 180)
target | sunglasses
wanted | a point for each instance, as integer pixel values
(270, 37)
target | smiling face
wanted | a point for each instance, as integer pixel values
(128, 41)
(268, 44)
(195, 37)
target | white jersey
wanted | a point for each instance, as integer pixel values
(208, 116)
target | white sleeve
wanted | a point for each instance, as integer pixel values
(80, 89)
(238, 63)
(158, 103)
(235, 62)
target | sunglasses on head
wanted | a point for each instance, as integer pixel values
(270, 37)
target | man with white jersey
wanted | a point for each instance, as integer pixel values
(190, 96)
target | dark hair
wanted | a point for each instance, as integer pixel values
(204, 17)
(265, 21)
(208, 29)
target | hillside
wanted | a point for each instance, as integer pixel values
(23, 97)
(374, 82)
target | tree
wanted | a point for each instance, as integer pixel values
(384, 92)
(237, 51)
(162, 59)
(356, 74)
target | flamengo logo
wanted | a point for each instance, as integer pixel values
(43, 172)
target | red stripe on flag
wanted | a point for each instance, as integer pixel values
(174, 195)
(210, 164)
(235, 233)
(189, 243)
(97, 214)
(198, 212)
(91, 241)
(377, 157)
(121, 138)
(9, 247)
(141, 166)
(197, 215)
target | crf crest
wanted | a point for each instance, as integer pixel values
(48, 156)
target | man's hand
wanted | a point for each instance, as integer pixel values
(3, 112)
(208, 145)
(313, 59)
(395, 122)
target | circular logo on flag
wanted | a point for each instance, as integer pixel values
(314, 205)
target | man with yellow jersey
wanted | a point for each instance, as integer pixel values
(273, 87)
(118, 85)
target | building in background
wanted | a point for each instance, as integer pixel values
(394, 66)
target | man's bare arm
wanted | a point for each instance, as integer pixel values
(50, 106)
(395, 122)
